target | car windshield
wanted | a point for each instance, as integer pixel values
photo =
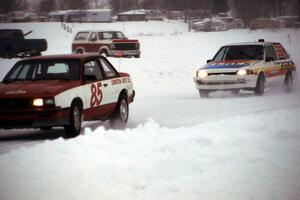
(240, 52)
(44, 70)
(111, 35)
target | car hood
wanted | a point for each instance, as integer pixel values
(36, 88)
(230, 64)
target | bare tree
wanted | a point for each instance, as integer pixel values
(46, 6)
(7, 6)
(74, 4)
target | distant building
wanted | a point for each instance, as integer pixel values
(266, 23)
(95, 15)
(133, 15)
(16, 16)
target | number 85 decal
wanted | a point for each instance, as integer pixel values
(97, 96)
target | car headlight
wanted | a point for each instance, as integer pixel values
(201, 74)
(242, 72)
(39, 102)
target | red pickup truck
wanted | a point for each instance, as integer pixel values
(106, 43)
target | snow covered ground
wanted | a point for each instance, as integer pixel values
(177, 146)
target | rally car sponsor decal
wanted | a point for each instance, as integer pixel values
(97, 96)
(227, 64)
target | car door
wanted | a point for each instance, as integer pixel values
(272, 68)
(112, 81)
(95, 94)
(92, 44)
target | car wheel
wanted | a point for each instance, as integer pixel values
(288, 82)
(8, 54)
(204, 93)
(79, 51)
(236, 91)
(260, 85)
(75, 118)
(137, 56)
(104, 53)
(120, 117)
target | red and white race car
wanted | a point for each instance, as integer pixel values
(248, 66)
(47, 91)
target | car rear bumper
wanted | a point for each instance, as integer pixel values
(34, 118)
(226, 82)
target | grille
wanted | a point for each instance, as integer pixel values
(126, 46)
(222, 73)
(6, 104)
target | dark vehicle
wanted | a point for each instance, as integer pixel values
(13, 44)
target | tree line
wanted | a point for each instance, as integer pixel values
(245, 9)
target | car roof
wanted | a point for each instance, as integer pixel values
(251, 43)
(64, 56)
(102, 30)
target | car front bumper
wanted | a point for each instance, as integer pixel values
(124, 53)
(226, 82)
(34, 118)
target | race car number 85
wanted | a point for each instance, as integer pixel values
(96, 97)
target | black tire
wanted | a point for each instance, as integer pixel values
(8, 53)
(288, 82)
(204, 93)
(47, 128)
(75, 118)
(120, 117)
(260, 85)
(104, 53)
(137, 56)
(235, 91)
(79, 51)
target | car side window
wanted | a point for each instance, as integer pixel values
(270, 54)
(220, 55)
(93, 37)
(108, 70)
(82, 36)
(92, 71)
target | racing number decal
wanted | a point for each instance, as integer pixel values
(97, 96)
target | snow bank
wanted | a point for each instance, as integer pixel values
(246, 157)
(225, 147)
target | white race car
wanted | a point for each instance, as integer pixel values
(248, 66)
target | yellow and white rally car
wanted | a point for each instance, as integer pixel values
(248, 66)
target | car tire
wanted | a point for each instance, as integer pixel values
(204, 93)
(137, 56)
(260, 85)
(79, 51)
(8, 53)
(235, 91)
(104, 53)
(74, 128)
(288, 82)
(120, 117)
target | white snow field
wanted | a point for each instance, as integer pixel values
(177, 146)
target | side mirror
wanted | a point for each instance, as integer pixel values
(269, 59)
(209, 60)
